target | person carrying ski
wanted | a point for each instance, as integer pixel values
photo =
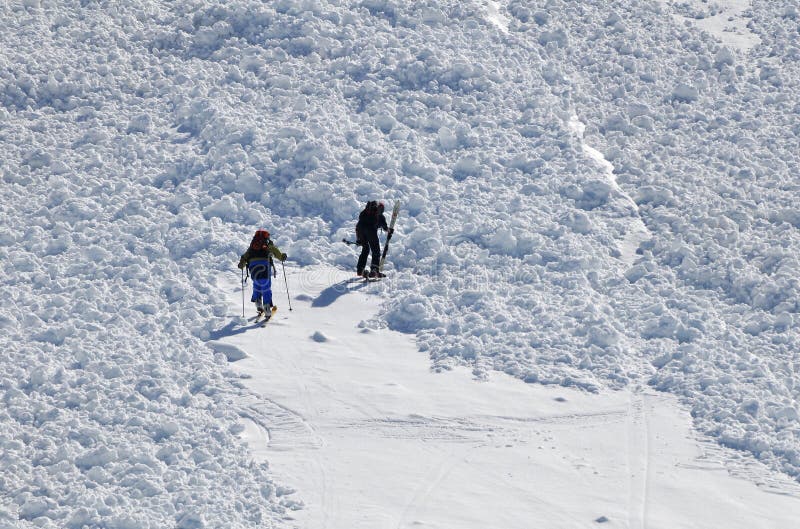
(258, 260)
(369, 221)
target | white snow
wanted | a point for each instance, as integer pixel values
(653, 243)
(367, 436)
(727, 20)
(496, 17)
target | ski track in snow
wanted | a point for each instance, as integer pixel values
(638, 459)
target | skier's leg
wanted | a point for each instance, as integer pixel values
(375, 248)
(260, 290)
(267, 294)
(255, 296)
(362, 259)
(254, 280)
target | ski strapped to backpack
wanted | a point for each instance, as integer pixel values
(395, 211)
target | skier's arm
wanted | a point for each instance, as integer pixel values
(382, 222)
(243, 259)
(274, 250)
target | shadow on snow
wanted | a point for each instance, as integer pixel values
(337, 290)
(233, 328)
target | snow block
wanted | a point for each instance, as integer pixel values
(231, 352)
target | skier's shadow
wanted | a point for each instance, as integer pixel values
(337, 290)
(232, 329)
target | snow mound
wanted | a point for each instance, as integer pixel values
(231, 352)
(319, 337)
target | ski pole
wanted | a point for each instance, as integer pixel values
(287, 286)
(242, 292)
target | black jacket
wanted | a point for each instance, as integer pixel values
(368, 224)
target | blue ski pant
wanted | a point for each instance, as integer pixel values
(262, 291)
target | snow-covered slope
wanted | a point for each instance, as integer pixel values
(142, 142)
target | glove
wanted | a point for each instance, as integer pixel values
(391, 231)
(283, 257)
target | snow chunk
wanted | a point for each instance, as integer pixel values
(96, 458)
(140, 123)
(385, 122)
(447, 139)
(191, 521)
(685, 93)
(466, 167)
(231, 352)
(35, 507)
(226, 208)
(724, 57)
(557, 36)
(654, 196)
(594, 194)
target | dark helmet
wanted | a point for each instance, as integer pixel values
(373, 206)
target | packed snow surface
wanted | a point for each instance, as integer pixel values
(363, 435)
(594, 195)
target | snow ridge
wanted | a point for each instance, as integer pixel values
(637, 232)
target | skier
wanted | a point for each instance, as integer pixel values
(258, 260)
(369, 220)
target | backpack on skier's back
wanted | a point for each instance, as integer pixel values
(260, 241)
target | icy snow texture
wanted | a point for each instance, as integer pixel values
(142, 143)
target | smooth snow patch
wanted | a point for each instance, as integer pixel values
(725, 19)
(396, 445)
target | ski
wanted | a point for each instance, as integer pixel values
(395, 211)
(269, 316)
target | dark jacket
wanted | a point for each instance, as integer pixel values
(368, 224)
